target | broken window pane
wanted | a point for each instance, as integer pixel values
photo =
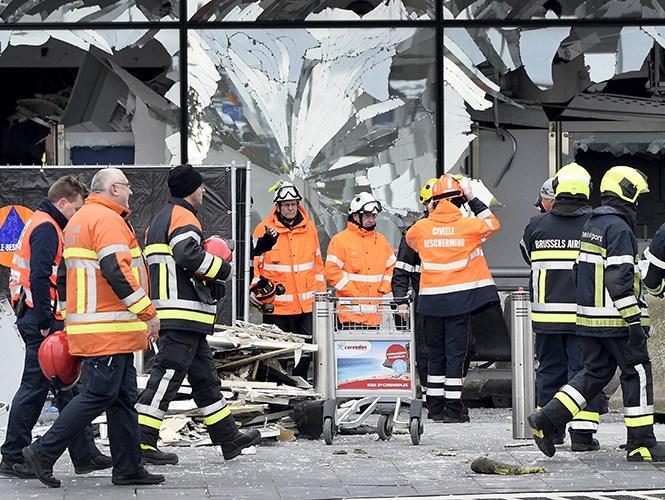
(89, 97)
(320, 10)
(87, 11)
(558, 9)
(339, 111)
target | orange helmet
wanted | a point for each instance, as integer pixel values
(446, 187)
(219, 247)
(56, 363)
(265, 290)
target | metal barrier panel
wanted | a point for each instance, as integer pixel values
(522, 364)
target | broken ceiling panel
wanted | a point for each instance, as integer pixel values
(294, 10)
(87, 11)
(537, 50)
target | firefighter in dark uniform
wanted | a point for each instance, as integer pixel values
(613, 320)
(653, 264)
(550, 246)
(406, 277)
(186, 306)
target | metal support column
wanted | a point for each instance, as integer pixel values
(234, 236)
(248, 239)
(322, 338)
(522, 364)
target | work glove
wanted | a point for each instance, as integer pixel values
(637, 337)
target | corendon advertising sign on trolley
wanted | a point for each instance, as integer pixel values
(373, 365)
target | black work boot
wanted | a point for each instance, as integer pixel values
(141, 476)
(450, 417)
(16, 469)
(543, 432)
(42, 471)
(654, 453)
(155, 456)
(100, 462)
(583, 441)
(233, 441)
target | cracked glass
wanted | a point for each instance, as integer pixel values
(337, 111)
(88, 11)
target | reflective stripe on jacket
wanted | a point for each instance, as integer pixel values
(20, 273)
(107, 281)
(294, 261)
(609, 288)
(359, 263)
(178, 264)
(454, 277)
(551, 244)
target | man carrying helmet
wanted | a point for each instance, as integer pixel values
(294, 261)
(183, 279)
(33, 285)
(406, 277)
(454, 283)
(551, 245)
(109, 317)
(613, 320)
(360, 262)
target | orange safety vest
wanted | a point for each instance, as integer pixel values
(19, 277)
(359, 263)
(454, 277)
(100, 322)
(295, 262)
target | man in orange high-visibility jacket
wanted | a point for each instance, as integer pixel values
(454, 283)
(295, 262)
(33, 285)
(360, 262)
(109, 317)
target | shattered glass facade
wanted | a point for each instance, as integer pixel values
(342, 96)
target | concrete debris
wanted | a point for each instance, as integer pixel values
(485, 465)
(254, 363)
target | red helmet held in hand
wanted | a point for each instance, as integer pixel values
(57, 364)
(219, 247)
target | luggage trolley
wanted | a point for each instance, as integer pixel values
(363, 369)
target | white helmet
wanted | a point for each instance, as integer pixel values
(364, 202)
(286, 191)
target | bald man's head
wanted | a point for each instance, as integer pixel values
(112, 183)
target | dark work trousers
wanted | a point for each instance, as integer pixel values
(30, 398)
(182, 354)
(601, 358)
(109, 386)
(447, 346)
(560, 358)
(294, 323)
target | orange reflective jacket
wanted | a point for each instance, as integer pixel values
(359, 263)
(295, 262)
(107, 281)
(19, 278)
(454, 277)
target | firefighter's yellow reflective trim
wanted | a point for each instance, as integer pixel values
(148, 447)
(140, 305)
(158, 248)
(638, 421)
(116, 327)
(631, 311)
(187, 315)
(155, 423)
(608, 322)
(540, 317)
(599, 284)
(568, 402)
(83, 253)
(163, 290)
(542, 279)
(135, 252)
(214, 268)
(217, 416)
(80, 290)
(591, 248)
(538, 433)
(554, 254)
(643, 451)
(590, 416)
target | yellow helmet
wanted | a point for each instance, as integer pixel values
(627, 183)
(426, 190)
(572, 179)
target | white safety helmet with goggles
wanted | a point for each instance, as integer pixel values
(364, 203)
(286, 191)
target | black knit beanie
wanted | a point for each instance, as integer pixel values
(184, 180)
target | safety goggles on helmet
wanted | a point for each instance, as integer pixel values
(372, 207)
(286, 192)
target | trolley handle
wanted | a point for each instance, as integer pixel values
(330, 297)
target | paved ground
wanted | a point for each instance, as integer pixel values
(439, 466)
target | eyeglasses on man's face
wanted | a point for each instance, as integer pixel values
(124, 184)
